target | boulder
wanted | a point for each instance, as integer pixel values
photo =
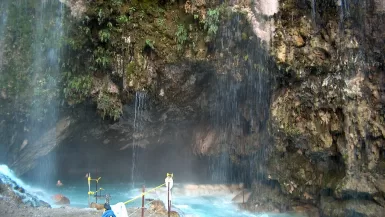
(60, 199)
(242, 197)
(306, 210)
(341, 208)
(157, 206)
(97, 206)
(353, 185)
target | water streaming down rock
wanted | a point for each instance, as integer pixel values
(239, 107)
(313, 9)
(30, 37)
(12, 188)
(344, 69)
(3, 22)
(138, 131)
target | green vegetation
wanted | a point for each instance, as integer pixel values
(181, 36)
(92, 54)
(161, 22)
(106, 42)
(150, 43)
(77, 87)
(109, 105)
(212, 21)
(29, 66)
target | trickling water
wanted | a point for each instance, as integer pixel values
(239, 106)
(3, 22)
(344, 9)
(47, 54)
(140, 99)
(313, 10)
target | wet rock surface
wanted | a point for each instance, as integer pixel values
(11, 192)
(328, 115)
(318, 126)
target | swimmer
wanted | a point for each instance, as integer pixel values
(59, 184)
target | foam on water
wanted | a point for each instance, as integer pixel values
(36, 192)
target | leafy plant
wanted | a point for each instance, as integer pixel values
(160, 22)
(100, 16)
(181, 36)
(104, 35)
(117, 3)
(212, 21)
(141, 15)
(109, 106)
(102, 57)
(77, 87)
(122, 19)
(150, 43)
(132, 10)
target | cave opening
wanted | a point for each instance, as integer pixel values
(71, 161)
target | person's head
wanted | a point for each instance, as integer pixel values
(107, 206)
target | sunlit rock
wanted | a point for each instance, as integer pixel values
(207, 190)
(355, 184)
(97, 206)
(78, 7)
(25, 142)
(380, 6)
(262, 28)
(157, 206)
(27, 155)
(242, 197)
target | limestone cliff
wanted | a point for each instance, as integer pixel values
(291, 90)
(328, 113)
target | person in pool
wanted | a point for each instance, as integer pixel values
(59, 183)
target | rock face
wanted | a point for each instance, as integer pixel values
(25, 158)
(328, 117)
(291, 90)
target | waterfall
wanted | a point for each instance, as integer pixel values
(31, 34)
(140, 100)
(29, 194)
(239, 105)
(313, 10)
(3, 22)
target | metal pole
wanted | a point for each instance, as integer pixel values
(89, 187)
(96, 190)
(168, 198)
(243, 196)
(143, 190)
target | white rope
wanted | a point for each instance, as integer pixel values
(135, 211)
(153, 213)
(139, 208)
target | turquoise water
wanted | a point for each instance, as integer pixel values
(188, 206)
